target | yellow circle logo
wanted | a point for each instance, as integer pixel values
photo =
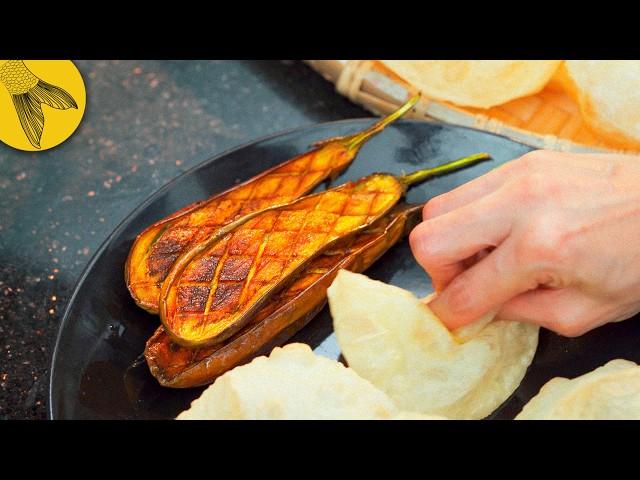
(42, 103)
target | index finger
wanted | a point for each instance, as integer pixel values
(442, 244)
(467, 193)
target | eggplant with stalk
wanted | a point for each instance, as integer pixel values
(157, 248)
(288, 312)
(220, 284)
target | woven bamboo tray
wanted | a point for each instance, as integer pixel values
(550, 119)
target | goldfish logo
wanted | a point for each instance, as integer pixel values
(57, 86)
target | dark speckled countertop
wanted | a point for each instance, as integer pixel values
(145, 123)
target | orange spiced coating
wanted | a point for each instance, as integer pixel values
(287, 312)
(217, 289)
(160, 245)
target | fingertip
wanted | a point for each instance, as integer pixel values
(430, 208)
(437, 206)
(440, 308)
(464, 300)
(417, 240)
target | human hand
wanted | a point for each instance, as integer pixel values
(550, 238)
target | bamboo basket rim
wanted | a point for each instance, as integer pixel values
(350, 77)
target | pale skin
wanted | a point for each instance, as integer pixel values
(549, 238)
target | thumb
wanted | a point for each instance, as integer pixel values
(483, 287)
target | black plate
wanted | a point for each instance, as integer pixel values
(97, 371)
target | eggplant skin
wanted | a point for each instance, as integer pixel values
(160, 245)
(217, 287)
(175, 366)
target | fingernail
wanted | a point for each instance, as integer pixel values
(437, 308)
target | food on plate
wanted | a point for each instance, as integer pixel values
(217, 287)
(293, 384)
(290, 310)
(607, 92)
(391, 338)
(475, 83)
(157, 248)
(610, 392)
